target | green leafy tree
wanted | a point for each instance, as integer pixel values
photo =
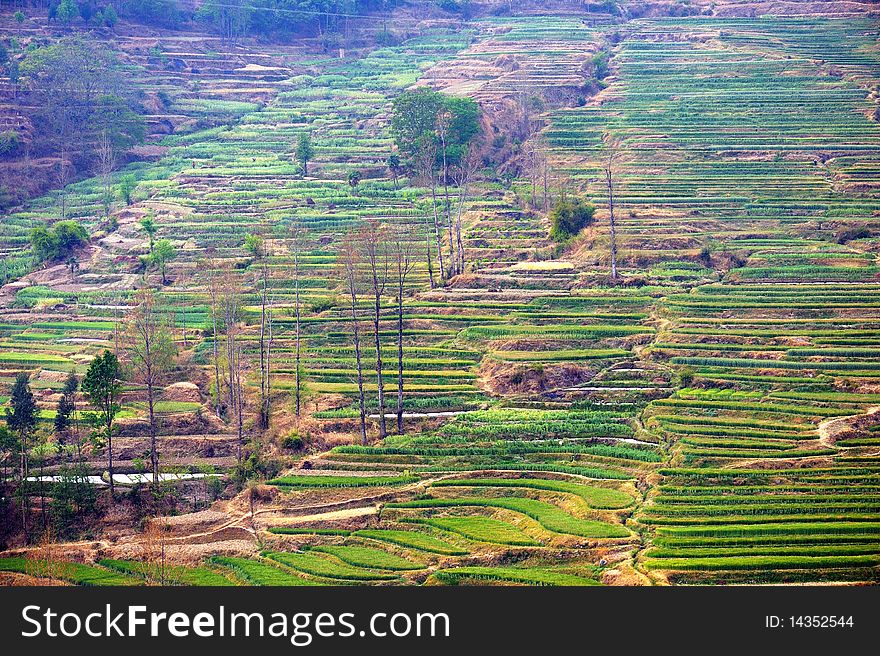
(126, 187)
(58, 241)
(21, 419)
(110, 16)
(67, 12)
(414, 115)
(163, 253)
(569, 217)
(76, 91)
(66, 407)
(304, 151)
(20, 19)
(70, 235)
(394, 167)
(255, 245)
(150, 352)
(231, 18)
(102, 387)
(44, 243)
(148, 225)
(354, 179)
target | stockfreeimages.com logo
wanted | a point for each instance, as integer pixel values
(300, 628)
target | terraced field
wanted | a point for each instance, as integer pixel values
(710, 418)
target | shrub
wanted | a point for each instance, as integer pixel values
(860, 232)
(569, 217)
(292, 442)
(10, 141)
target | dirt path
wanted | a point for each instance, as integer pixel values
(830, 428)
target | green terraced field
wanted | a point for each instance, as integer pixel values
(709, 417)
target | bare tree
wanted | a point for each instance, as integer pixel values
(428, 253)
(350, 262)
(463, 174)
(211, 270)
(425, 158)
(259, 248)
(442, 125)
(535, 160)
(404, 260)
(609, 183)
(150, 350)
(63, 177)
(231, 305)
(153, 563)
(297, 241)
(373, 239)
(106, 163)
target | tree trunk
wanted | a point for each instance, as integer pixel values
(613, 227)
(383, 428)
(154, 455)
(297, 381)
(109, 429)
(400, 352)
(217, 390)
(356, 335)
(428, 253)
(437, 233)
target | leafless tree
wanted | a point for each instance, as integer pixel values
(106, 163)
(150, 353)
(609, 182)
(230, 302)
(297, 242)
(462, 175)
(350, 263)
(213, 273)
(63, 177)
(259, 248)
(425, 158)
(404, 260)
(377, 256)
(444, 119)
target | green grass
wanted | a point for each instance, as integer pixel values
(258, 572)
(413, 540)
(482, 529)
(454, 576)
(549, 516)
(197, 576)
(340, 481)
(596, 497)
(76, 573)
(368, 557)
(311, 563)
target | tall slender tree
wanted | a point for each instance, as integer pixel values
(150, 354)
(613, 228)
(350, 264)
(212, 270)
(297, 241)
(377, 257)
(102, 387)
(257, 247)
(21, 419)
(404, 260)
(231, 306)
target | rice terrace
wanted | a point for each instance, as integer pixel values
(439, 292)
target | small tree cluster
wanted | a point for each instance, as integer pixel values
(569, 217)
(57, 242)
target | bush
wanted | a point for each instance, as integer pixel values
(292, 442)
(569, 217)
(10, 141)
(859, 232)
(57, 242)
